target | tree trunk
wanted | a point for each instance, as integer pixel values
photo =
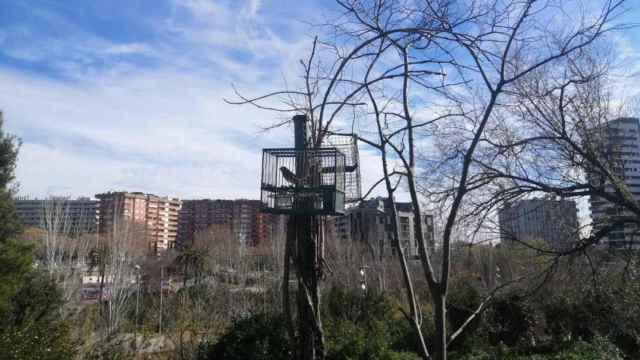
(306, 230)
(310, 344)
(440, 341)
(184, 275)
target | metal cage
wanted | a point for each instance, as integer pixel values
(348, 145)
(310, 181)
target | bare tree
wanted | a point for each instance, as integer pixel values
(557, 139)
(304, 246)
(440, 76)
(222, 247)
(64, 245)
(117, 258)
